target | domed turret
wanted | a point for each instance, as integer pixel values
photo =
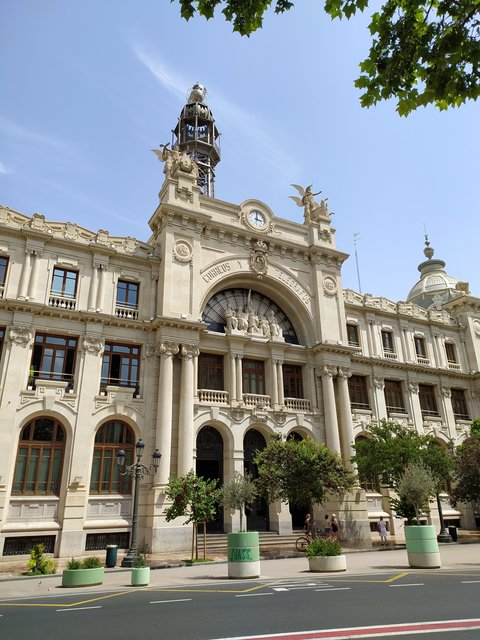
(435, 286)
(197, 135)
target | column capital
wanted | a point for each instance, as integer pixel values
(446, 392)
(93, 344)
(166, 348)
(379, 383)
(413, 387)
(327, 371)
(20, 335)
(344, 372)
(189, 351)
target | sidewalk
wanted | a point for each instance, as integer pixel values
(455, 557)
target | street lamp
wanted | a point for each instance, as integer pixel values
(443, 536)
(138, 471)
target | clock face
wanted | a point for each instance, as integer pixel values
(256, 218)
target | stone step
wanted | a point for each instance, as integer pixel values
(217, 542)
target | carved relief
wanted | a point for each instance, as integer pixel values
(446, 392)
(329, 285)
(131, 244)
(70, 230)
(246, 321)
(344, 373)
(379, 383)
(189, 351)
(93, 344)
(166, 348)
(175, 161)
(259, 258)
(103, 237)
(413, 387)
(182, 251)
(476, 327)
(38, 222)
(326, 370)
(20, 335)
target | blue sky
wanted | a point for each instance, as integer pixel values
(89, 88)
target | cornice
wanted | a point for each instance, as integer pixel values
(413, 367)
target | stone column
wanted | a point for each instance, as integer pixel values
(345, 412)
(163, 427)
(447, 410)
(233, 378)
(281, 396)
(239, 376)
(32, 287)
(185, 419)
(331, 422)
(379, 398)
(414, 402)
(274, 390)
(154, 296)
(313, 386)
(25, 276)
(101, 287)
(92, 294)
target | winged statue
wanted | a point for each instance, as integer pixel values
(306, 201)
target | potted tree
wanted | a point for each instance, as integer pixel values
(140, 576)
(83, 573)
(416, 487)
(325, 555)
(243, 546)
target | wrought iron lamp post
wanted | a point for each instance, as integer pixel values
(443, 536)
(138, 471)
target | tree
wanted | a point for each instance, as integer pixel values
(195, 499)
(238, 493)
(466, 473)
(423, 51)
(416, 486)
(301, 472)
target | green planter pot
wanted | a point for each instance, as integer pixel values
(327, 564)
(140, 576)
(82, 577)
(422, 547)
(243, 554)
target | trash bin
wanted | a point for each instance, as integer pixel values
(453, 533)
(111, 559)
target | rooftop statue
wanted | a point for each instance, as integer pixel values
(313, 210)
(175, 161)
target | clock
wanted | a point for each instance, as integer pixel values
(256, 219)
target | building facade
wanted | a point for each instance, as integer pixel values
(227, 327)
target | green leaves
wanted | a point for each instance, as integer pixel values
(193, 498)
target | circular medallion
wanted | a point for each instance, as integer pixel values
(329, 285)
(182, 251)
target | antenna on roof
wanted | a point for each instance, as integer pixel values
(356, 236)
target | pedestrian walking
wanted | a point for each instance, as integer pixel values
(328, 528)
(334, 524)
(382, 531)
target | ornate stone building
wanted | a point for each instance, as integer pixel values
(229, 325)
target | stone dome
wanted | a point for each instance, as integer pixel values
(435, 286)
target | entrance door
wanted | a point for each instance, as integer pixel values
(209, 465)
(257, 514)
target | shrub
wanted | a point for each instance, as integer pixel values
(73, 564)
(140, 561)
(92, 562)
(324, 547)
(39, 565)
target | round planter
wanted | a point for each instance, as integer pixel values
(328, 563)
(140, 576)
(243, 554)
(82, 577)
(422, 547)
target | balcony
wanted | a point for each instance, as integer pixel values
(422, 360)
(256, 400)
(126, 313)
(211, 396)
(453, 365)
(119, 382)
(390, 355)
(297, 404)
(62, 302)
(38, 376)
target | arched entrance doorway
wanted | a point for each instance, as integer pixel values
(209, 465)
(257, 514)
(297, 513)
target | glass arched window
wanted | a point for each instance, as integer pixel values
(39, 463)
(106, 477)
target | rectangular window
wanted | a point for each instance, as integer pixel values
(53, 358)
(428, 402)
(253, 376)
(357, 386)
(292, 381)
(3, 273)
(210, 372)
(387, 341)
(451, 353)
(127, 294)
(459, 404)
(120, 365)
(394, 396)
(64, 283)
(420, 347)
(353, 335)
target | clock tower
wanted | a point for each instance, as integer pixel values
(197, 135)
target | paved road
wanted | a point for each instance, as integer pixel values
(198, 603)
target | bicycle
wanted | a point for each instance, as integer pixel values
(302, 542)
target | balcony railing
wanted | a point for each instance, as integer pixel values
(255, 400)
(126, 313)
(35, 376)
(453, 365)
(62, 302)
(297, 404)
(390, 355)
(422, 360)
(210, 396)
(119, 382)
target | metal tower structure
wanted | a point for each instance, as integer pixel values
(197, 135)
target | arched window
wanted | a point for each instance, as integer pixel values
(38, 469)
(110, 438)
